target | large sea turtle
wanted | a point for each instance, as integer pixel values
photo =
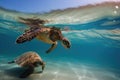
(46, 34)
(29, 61)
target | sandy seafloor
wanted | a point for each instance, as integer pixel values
(58, 70)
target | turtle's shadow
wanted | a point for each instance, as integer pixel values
(16, 72)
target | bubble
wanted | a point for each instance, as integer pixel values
(116, 7)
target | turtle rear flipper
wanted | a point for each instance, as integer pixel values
(28, 35)
(27, 72)
(11, 62)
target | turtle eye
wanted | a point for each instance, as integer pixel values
(65, 42)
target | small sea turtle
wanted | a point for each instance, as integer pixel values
(29, 61)
(46, 34)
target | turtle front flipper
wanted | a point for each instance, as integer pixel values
(53, 46)
(28, 35)
(27, 72)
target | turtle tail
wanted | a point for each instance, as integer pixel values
(27, 36)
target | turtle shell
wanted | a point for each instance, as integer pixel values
(28, 58)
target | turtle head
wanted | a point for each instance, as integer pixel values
(66, 43)
(39, 63)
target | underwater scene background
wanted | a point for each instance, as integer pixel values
(94, 32)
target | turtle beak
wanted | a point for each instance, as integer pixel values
(68, 46)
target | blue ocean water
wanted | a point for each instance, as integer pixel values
(94, 52)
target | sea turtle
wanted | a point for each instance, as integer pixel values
(29, 61)
(46, 34)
